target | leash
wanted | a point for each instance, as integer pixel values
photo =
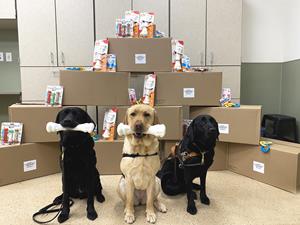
(138, 155)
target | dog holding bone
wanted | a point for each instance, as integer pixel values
(80, 177)
(140, 162)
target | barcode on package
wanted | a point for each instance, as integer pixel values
(29, 165)
(223, 128)
(258, 167)
(140, 59)
(189, 92)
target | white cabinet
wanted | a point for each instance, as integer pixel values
(75, 32)
(160, 8)
(188, 21)
(231, 78)
(34, 81)
(7, 9)
(224, 24)
(37, 32)
(106, 13)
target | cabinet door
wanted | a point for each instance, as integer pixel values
(106, 13)
(160, 8)
(188, 24)
(7, 9)
(231, 78)
(37, 32)
(34, 81)
(224, 24)
(75, 32)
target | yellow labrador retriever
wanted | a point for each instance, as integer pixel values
(139, 165)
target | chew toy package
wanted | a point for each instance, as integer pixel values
(133, 16)
(146, 25)
(111, 63)
(109, 124)
(186, 64)
(100, 55)
(226, 98)
(11, 133)
(54, 95)
(177, 55)
(149, 89)
(124, 28)
(132, 96)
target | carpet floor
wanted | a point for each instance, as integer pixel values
(234, 200)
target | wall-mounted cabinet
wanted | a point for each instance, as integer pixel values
(7, 9)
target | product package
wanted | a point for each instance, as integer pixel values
(133, 16)
(146, 25)
(111, 63)
(226, 98)
(109, 124)
(186, 63)
(124, 28)
(11, 133)
(177, 55)
(132, 96)
(149, 89)
(100, 55)
(54, 95)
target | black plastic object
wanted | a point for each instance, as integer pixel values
(281, 127)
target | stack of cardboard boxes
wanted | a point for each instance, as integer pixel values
(178, 96)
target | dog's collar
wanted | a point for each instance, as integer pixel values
(138, 155)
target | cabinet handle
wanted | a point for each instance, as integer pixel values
(62, 58)
(202, 59)
(211, 58)
(52, 57)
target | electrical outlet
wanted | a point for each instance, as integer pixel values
(1, 57)
(8, 56)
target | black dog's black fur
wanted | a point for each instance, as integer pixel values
(78, 164)
(200, 137)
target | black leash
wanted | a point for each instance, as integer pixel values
(49, 209)
(138, 155)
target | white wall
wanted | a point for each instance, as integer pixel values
(262, 36)
(7, 9)
(292, 31)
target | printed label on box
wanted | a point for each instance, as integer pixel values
(189, 92)
(223, 128)
(258, 167)
(140, 59)
(29, 165)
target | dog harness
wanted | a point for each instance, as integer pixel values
(138, 155)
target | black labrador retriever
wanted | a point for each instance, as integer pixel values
(190, 159)
(78, 163)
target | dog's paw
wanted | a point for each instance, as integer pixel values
(129, 218)
(100, 198)
(160, 206)
(191, 209)
(194, 195)
(204, 199)
(151, 217)
(63, 216)
(92, 214)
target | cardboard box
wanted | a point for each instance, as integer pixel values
(280, 167)
(193, 89)
(27, 161)
(220, 159)
(236, 125)
(34, 119)
(142, 55)
(109, 155)
(94, 88)
(171, 116)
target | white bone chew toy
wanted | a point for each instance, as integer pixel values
(158, 130)
(55, 127)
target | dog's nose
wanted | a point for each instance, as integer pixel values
(139, 127)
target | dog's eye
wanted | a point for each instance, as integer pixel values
(133, 114)
(146, 114)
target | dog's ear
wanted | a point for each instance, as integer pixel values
(125, 121)
(89, 119)
(189, 136)
(57, 117)
(155, 120)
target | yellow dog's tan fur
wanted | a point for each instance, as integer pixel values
(140, 184)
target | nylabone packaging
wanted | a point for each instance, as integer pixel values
(133, 16)
(11, 133)
(149, 89)
(186, 63)
(226, 96)
(109, 124)
(177, 54)
(100, 55)
(111, 63)
(54, 95)
(132, 96)
(146, 25)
